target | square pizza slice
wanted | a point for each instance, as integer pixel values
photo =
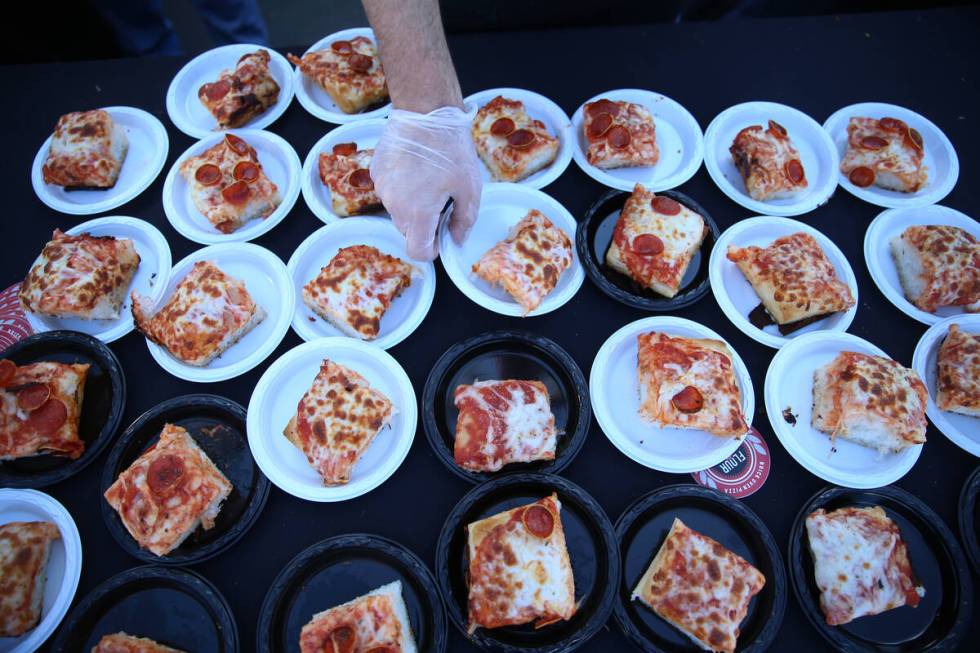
(938, 265)
(529, 261)
(348, 71)
(337, 420)
(886, 153)
(374, 622)
(701, 588)
(80, 276)
(122, 643)
(24, 551)
(869, 400)
(654, 241)
(240, 94)
(958, 374)
(860, 563)
(768, 162)
(346, 171)
(619, 135)
(689, 383)
(519, 569)
(795, 281)
(40, 409)
(207, 313)
(511, 143)
(354, 290)
(87, 151)
(228, 184)
(170, 490)
(502, 422)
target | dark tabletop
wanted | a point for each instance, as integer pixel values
(925, 61)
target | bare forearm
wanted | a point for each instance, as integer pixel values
(414, 54)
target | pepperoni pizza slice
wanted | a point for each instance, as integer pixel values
(376, 622)
(122, 643)
(886, 153)
(958, 376)
(240, 94)
(512, 144)
(938, 265)
(619, 135)
(87, 151)
(768, 161)
(346, 171)
(348, 71)
(24, 551)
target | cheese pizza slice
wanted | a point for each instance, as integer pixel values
(87, 151)
(958, 374)
(768, 162)
(689, 383)
(519, 569)
(40, 408)
(240, 94)
(619, 135)
(170, 490)
(860, 563)
(348, 71)
(376, 622)
(502, 422)
(938, 265)
(122, 643)
(699, 587)
(654, 241)
(511, 143)
(24, 551)
(346, 171)
(337, 420)
(869, 400)
(886, 153)
(529, 261)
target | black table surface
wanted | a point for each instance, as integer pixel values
(924, 60)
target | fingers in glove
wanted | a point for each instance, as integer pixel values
(467, 206)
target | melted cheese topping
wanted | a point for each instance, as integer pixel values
(122, 643)
(642, 149)
(87, 151)
(958, 377)
(251, 90)
(24, 548)
(506, 162)
(938, 265)
(345, 198)
(761, 156)
(376, 620)
(897, 166)
(26, 433)
(351, 91)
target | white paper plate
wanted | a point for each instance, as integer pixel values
(539, 108)
(150, 279)
(268, 283)
(735, 295)
(817, 153)
(878, 257)
(615, 392)
(148, 146)
(280, 389)
(407, 310)
(315, 100)
(281, 165)
(679, 138)
(942, 164)
(501, 207)
(789, 384)
(316, 194)
(64, 565)
(963, 430)
(185, 108)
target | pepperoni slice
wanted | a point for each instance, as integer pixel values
(862, 176)
(600, 124)
(873, 142)
(916, 138)
(236, 144)
(164, 475)
(688, 400)
(521, 138)
(776, 129)
(216, 90)
(891, 124)
(32, 396)
(538, 520)
(246, 171)
(342, 47)
(7, 370)
(49, 417)
(344, 639)
(345, 149)
(502, 127)
(208, 174)
(360, 63)
(361, 178)
(603, 106)
(618, 136)
(647, 245)
(794, 170)
(236, 194)
(665, 205)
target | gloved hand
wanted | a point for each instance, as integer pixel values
(420, 162)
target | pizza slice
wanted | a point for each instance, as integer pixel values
(207, 313)
(654, 241)
(512, 144)
(689, 383)
(170, 490)
(376, 622)
(240, 94)
(958, 375)
(354, 290)
(886, 153)
(619, 135)
(938, 265)
(40, 408)
(795, 281)
(701, 588)
(768, 162)
(348, 71)
(529, 261)
(80, 276)
(346, 171)
(519, 569)
(860, 563)
(24, 551)
(228, 184)
(502, 422)
(337, 420)
(87, 151)
(122, 643)
(869, 400)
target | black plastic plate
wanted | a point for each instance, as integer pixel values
(943, 615)
(339, 569)
(591, 546)
(969, 519)
(218, 426)
(642, 529)
(507, 355)
(102, 404)
(174, 607)
(595, 233)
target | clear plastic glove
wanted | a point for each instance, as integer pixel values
(420, 162)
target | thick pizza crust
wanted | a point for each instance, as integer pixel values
(322, 623)
(897, 166)
(938, 265)
(505, 162)
(25, 548)
(958, 373)
(87, 151)
(351, 91)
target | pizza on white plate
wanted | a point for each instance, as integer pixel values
(884, 152)
(938, 265)
(240, 94)
(958, 373)
(768, 162)
(24, 551)
(346, 171)
(511, 143)
(349, 72)
(87, 151)
(619, 135)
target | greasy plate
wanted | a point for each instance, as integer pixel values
(340, 569)
(102, 404)
(498, 356)
(969, 518)
(592, 549)
(217, 425)
(641, 531)
(943, 615)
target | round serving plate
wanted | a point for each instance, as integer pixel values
(969, 518)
